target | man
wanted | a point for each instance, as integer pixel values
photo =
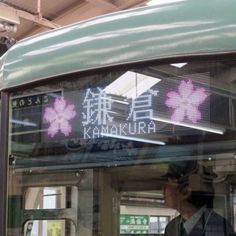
(189, 190)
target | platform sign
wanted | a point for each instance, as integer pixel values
(134, 224)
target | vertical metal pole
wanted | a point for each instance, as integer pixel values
(4, 162)
(231, 113)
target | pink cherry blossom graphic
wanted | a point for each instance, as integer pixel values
(59, 116)
(185, 102)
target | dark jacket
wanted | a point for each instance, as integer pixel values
(209, 224)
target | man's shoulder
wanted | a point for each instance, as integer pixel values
(212, 215)
(172, 226)
(218, 223)
(175, 220)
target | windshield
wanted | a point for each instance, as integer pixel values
(125, 151)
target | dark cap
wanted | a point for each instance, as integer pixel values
(197, 176)
(179, 169)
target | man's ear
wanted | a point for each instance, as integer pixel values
(186, 192)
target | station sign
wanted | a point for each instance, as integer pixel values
(134, 224)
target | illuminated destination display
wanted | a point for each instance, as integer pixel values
(59, 117)
(185, 102)
(103, 112)
(101, 116)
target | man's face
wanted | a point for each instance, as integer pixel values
(171, 194)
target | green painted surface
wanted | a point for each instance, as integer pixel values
(184, 27)
(15, 211)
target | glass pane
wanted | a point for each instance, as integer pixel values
(45, 198)
(134, 152)
(49, 228)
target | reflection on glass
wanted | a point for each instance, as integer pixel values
(49, 228)
(45, 198)
(96, 149)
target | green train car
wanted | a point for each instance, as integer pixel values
(124, 124)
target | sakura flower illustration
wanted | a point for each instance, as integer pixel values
(186, 101)
(59, 116)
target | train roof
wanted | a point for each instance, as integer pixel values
(184, 27)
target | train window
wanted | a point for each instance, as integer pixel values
(126, 152)
(158, 224)
(49, 228)
(45, 198)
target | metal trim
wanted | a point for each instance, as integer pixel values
(175, 58)
(4, 162)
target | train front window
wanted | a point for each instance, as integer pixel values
(127, 152)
